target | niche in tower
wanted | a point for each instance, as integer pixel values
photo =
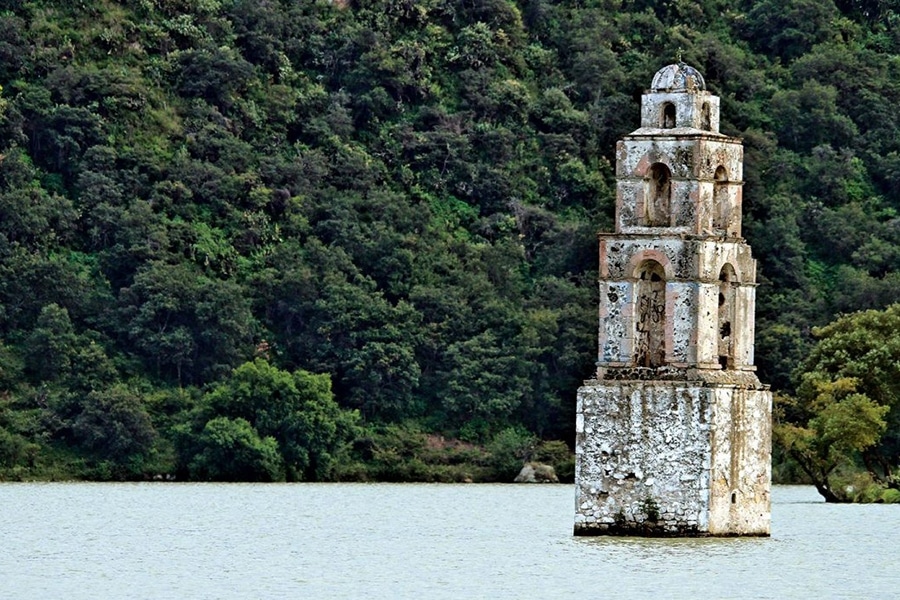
(658, 196)
(721, 204)
(667, 116)
(726, 316)
(650, 315)
(705, 118)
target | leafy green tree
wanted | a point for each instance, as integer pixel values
(17, 454)
(58, 356)
(805, 115)
(51, 345)
(790, 29)
(509, 449)
(232, 450)
(331, 318)
(114, 425)
(184, 325)
(296, 410)
(30, 215)
(483, 378)
(848, 402)
(217, 75)
(844, 423)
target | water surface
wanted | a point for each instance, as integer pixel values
(163, 540)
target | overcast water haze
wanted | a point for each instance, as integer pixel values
(373, 541)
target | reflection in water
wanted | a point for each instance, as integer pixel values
(412, 541)
(654, 549)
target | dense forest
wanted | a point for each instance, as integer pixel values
(356, 239)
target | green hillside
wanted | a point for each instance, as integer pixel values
(386, 212)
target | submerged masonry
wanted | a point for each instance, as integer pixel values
(674, 434)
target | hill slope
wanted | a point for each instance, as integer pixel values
(402, 195)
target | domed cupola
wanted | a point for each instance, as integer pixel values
(678, 77)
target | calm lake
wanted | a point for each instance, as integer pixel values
(161, 540)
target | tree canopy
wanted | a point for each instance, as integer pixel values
(847, 406)
(400, 195)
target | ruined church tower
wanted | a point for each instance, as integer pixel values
(673, 437)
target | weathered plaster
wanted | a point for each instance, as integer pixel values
(740, 468)
(693, 160)
(692, 268)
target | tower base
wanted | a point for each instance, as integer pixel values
(687, 457)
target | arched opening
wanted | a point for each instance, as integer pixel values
(667, 120)
(650, 315)
(658, 196)
(705, 118)
(727, 282)
(721, 206)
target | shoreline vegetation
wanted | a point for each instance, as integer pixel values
(321, 240)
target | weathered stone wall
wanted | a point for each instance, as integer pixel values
(688, 258)
(688, 110)
(641, 443)
(693, 161)
(745, 326)
(697, 452)
(741, 466)
(691, 269)
(696, 155)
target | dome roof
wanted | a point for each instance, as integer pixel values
(678, 77)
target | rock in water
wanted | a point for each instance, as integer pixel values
(536, 473)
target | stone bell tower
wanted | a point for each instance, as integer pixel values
(673, 437)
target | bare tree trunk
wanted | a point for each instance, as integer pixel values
(819, 478)
(827, 492)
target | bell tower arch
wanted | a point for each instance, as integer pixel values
(658, 196)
